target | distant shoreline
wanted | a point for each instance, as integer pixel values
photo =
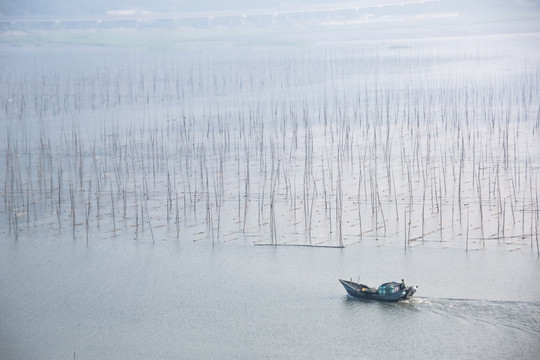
(384, 29)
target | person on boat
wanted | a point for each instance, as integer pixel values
(403, 285)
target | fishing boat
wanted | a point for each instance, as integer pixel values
(390, 291)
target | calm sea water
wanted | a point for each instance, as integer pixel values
(187, 293)
(125, 299)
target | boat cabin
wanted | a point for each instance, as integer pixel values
(389, 288)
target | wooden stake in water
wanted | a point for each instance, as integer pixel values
(405, 229)
(467, 242)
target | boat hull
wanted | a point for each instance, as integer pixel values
(361, 291)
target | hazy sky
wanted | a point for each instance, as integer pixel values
(72, 7)
(19, 7)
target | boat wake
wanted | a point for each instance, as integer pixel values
(517, 315)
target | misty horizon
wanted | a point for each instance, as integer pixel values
(101, 7)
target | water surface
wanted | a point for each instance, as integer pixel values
(125, 299)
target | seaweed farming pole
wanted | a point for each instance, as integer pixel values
(246, 194)
(169, 197)
(523, 217)
(339, 200)
(331, 174)
(409, 223)
(405, 229)
(441, 209)
(209, 216)
(8, 208)
(461, 165)
(537, 125)
(467, 240)
(145, 186)
(112, 206)
(395, 196)
(479, 188)
(87, 212)
(423, 206)
(273, 236)
(73, 212)
(29, 186)
(536, 222)
(358, 198)
(11, 192)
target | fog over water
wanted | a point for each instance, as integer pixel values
(190, 179)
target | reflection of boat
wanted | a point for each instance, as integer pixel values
(391, 291)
